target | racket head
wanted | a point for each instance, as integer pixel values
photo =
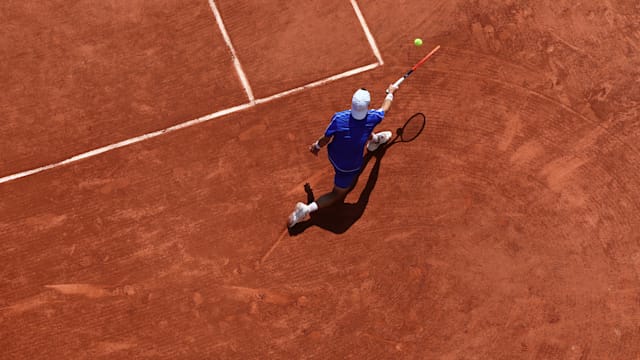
(412, 128)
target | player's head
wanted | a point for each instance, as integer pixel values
(360, 104)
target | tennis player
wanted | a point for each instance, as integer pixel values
(346, 137)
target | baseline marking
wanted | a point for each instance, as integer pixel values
(186, 124)
(236, 61)
(367, 32)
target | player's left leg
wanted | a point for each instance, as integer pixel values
(378, 139)
(342, 184)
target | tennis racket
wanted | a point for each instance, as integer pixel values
(415, 67)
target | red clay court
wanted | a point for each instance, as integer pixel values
(152, 150)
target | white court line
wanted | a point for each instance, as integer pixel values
(319, 82)
(123, 143)
(367, 32)
(236, 62)
(186, 124)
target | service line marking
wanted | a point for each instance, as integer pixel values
(319, 82)
(367, 32)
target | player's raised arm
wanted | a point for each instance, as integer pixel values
(386, 104)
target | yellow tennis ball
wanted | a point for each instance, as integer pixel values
(417, 42)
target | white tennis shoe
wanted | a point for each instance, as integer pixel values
(298, 214)
(382, 137)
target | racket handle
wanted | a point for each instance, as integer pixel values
(397, 83)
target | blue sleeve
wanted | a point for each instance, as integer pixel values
(377, 116)
(332, 128)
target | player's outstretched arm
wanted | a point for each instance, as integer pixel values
(386, 104)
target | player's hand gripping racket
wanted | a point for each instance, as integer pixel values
(415, 67)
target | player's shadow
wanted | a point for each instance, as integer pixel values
(340, 217)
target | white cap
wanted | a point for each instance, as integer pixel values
(360, 104)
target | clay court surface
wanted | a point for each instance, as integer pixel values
(508, 230)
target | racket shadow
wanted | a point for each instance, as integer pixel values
(340, 217)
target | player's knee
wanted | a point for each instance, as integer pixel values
(340, 192)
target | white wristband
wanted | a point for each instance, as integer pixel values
(316, 146)
(389, 97)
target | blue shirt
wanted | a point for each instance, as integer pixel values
(349, 138)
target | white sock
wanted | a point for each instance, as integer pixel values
(312, 207)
